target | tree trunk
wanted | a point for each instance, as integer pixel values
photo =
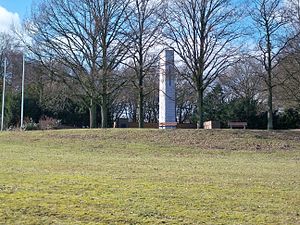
(134, 112)
(93, 116)
(104, 111)
(180, 115)
(141, 92)
(200, 108)
(269, 81)
(141, 108)
(270, 104)
(105, 69)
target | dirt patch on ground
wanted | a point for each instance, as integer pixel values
(201, 139)
(204, 139)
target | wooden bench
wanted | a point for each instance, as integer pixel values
(232, 124)
(168, 124)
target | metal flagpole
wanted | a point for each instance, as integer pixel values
(3, 96)
(22, 101)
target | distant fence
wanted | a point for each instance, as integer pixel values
(146, 125)
(155, 125)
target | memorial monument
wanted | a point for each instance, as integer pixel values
(167, 95)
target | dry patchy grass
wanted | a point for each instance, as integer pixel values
(150, 177)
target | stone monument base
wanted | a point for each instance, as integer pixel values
(169, 125)
(212, 125)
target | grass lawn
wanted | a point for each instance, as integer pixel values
(126, 176)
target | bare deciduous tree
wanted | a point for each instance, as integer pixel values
(87, 38)
(202, 33)
(185, 100)
(288, 92)
(274, 35)
(8, 45)
(243, 80)
(145, 26)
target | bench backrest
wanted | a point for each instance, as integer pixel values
(237, 123)
(168, 124)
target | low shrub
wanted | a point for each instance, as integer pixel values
(29, 124)
(49, 123)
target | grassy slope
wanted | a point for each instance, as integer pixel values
(149, 177)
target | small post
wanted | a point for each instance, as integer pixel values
(3, 96)
(22, 100)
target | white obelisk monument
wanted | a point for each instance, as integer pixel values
(167, 97)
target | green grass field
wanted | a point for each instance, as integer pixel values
(124, 176)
